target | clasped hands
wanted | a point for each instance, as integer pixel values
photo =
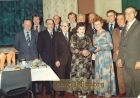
(85, 52)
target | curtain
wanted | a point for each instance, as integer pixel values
(12, 13)
(59, 7)
(134, 3)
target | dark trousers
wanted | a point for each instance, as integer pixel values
(35, 88)
(132, 82)
(116, 79)
(49, 87)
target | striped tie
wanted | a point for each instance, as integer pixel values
(28, 39)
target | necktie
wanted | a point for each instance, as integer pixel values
(28, 39)
(36, 28)
(126, 29)
(66, 36)
(111, 27)
(51, 34)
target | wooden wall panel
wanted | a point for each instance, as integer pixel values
(85, 6)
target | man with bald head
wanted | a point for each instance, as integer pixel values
(129, 54)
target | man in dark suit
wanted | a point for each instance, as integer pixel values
(37, 27)
(111, 21)
(129, 55)
(57, 22)
(72, 17)
(26, 44)
(90, 26)
(62, 53)
(26, 41)
(45, 48)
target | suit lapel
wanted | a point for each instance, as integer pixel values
(63, 37)
(32, 37)
(24, 39)
(131, 29)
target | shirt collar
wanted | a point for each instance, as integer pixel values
(112, 23)
(27, 31)
(50, 31)
(130, 23)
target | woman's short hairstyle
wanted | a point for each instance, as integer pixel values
(99, 19)
(80, 24)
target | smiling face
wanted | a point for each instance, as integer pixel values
(91, 18)
(72, 18)
(81, 29)
(121, 20)
(27, 25)
(98, 25)
(36, 20)
(50, 24)
(111, 17)
(64, 27)
(56, 19)
(130, 14)
(81, 18)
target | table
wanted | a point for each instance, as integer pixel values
(42, 73)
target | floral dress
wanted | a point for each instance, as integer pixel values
(104, 70)
(81, 66)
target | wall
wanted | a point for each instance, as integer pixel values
(63, 7)
(85, 6)
(59, 7)
(101, 6)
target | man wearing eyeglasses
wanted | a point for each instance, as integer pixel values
(62, 53)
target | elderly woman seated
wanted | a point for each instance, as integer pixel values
(9, 57)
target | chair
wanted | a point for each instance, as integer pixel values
(16, 82)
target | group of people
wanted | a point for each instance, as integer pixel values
(103, 51)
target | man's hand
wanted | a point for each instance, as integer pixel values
(57, 63)
(119, 63)
(137, 66)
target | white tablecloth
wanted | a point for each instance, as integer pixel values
(41, 74)
(44, 74)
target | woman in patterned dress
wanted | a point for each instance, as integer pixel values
(104, 71)
(81, 65)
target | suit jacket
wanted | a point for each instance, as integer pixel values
(42, 28)
(106, 27)
(26, 52)
(45, 47)
(130, 46)
(90, 31)
(116, 37)
(63, 54)
(58, 29)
